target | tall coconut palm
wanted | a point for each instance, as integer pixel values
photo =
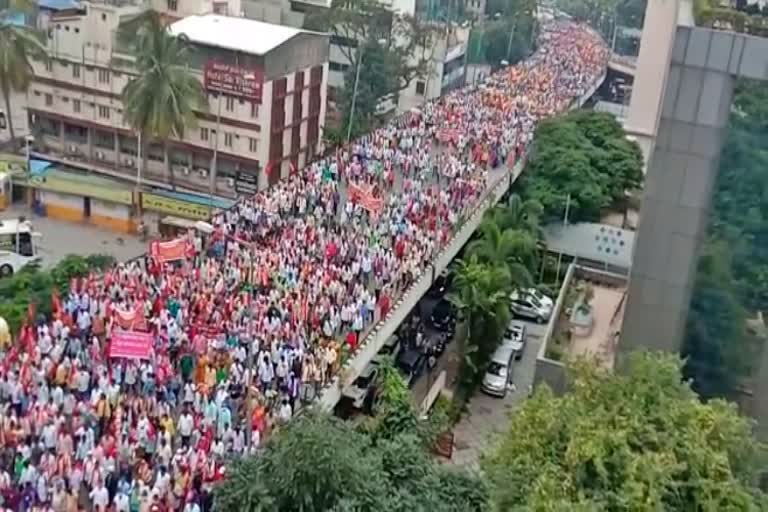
(160, 102)
(18, 46)
(512, 249)
(517, 213)
(480, 292)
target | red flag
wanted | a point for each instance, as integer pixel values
(292, 168)
(269, 168)
(55, 301)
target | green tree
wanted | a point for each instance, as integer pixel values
(391, 49)
(640, 440)
(161, 100)
(518, 214)
(480, 292)
(584, 156)
(511, 249)
(18, 46)
(319, 463)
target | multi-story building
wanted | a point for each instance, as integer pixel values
(266, 87)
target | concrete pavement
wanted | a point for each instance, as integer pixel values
(487, 417)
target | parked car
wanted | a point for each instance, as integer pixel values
(544, 299)
(498, 376)
(441, 285)
(443, 316)
(411, 364)
(515, 335)
(528, 306)
(359, 389)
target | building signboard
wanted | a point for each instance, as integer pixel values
(233, 80)
(59, 183)
(246, 183)
(183, 209)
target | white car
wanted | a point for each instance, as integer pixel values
(515, 337)
(358, 390)
(529, 306)
(545, 301)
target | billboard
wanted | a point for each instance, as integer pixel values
(233, 80)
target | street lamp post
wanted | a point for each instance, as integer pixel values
(354, 89)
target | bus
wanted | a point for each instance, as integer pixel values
(17, 245)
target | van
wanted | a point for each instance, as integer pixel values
(499, 373)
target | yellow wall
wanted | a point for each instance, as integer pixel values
(120, 225)
(58, 212)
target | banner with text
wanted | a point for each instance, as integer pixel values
(172, 250)
(131, 345)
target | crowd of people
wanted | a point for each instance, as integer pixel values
(259, 314)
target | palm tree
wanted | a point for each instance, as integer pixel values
(18, 45)
(161, 100)
(518, 214)
(512, 249)
(480, 292)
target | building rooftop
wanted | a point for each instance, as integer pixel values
(237, 34)
(590, 241)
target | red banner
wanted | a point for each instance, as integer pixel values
(131, 320)
(364, 197)
(130, 345)
(234, 80)
(172, 250)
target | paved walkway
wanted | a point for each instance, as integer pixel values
(487, 417)
(61, 238)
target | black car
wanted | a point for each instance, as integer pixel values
(411, 364)
(443, 316)
(441, 285)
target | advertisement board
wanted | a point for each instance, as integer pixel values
(183, 209)
(246, 183)
(233, 80)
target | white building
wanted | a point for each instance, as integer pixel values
(271, 118)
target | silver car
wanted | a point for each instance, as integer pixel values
(498, 376)
(515, 336)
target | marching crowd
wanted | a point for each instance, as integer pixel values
(260, 313)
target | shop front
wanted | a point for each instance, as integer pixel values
(78, 198)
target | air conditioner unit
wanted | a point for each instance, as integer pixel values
(204, 173)
(231, 182)
(73, 149)
(185, 170)
(131, 162)
(100, 155)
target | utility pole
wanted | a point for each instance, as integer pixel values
(354, 93)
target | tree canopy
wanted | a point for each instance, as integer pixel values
(584, 155)
(640, 440)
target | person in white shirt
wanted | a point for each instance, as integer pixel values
(122, 502)
(99, 498)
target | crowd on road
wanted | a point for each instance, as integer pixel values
(261, 311)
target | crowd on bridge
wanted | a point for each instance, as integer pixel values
(259, 314)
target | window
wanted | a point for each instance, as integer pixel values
(228, 140)
(338, 66)
(172, 4)
(49, 65)
(48, 99)
(103, 112)
(421, 88)
(103, 16)
(76, 106)
(253, 145)
(254, 109)
(203, 133)
(104, 76)
(229, 104)
(75, 70)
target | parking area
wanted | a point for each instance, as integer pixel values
(488, 416)
(61, 238)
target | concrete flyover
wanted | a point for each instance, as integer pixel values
(500, 180)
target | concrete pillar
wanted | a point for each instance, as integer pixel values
(680, 179)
